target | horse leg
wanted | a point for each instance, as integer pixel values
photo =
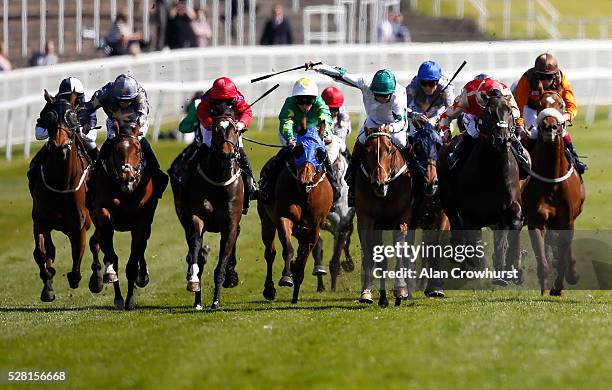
(226, 248)
(564, 242)
(334, 264)
(367, 262)
(536, 236)
(284, 235)
(78, 241)
(140, 236)
(193, 235)
(348, 265)
(43, 253)
(402, 289)
(306, 243)
(111, 261)
(142, 277)
(231, 276)
(95, 281)
(202, 259)
(500, 244)
(513, 256)
(317, 254)
(268, 231)
(572, 276)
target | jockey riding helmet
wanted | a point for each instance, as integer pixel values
(125, 87)
(429, 71)
(333, 97)
(305, 87)
(383, 83)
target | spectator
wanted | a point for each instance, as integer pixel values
(277, 30)
(121, 40)
(161, 21)
(47, 58)
(179, 33)
(400, 31)
(201, 28)
(385, 30)
(5, 64)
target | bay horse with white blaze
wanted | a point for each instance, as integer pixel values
(125, 201)
(58, 195)
(303, 198)
(213, 204)
(553, 196)
(383, 201)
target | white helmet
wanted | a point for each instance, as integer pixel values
(305, 87)
(70, 85)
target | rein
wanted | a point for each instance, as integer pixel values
(309, 187)
(541, 178)
(219, 183)
(400, 172)
(66, 191)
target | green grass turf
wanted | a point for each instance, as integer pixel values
(569, 11)
(484, 339)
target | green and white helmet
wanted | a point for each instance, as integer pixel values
(383, 82)
(305, 87)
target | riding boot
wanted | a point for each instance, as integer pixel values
(522, 158)
(351, 171)
(160, 179)
(250, 189)
(461, 150)
(93, 154)
(580, 166)
(270, 173)
(332, 178)
(34, 169)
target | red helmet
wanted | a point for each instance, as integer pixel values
(333, 97)
(223, 88)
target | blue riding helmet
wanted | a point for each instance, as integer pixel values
(430, 71)
(125, 87)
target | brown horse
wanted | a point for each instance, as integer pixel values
(58, 196)
(383, 202)
(428, 213)
(485, 191)
(552, 196)
(125, 201)
(303, 198)
(214, 204)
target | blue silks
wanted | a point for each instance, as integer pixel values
(311, 142)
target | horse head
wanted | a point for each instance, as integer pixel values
(225, 147)
(126, 162)
(308, 158)
(61, 121)
(498, 122)
(425, 148)
(381, 156)
(551, 125)
(550, 99)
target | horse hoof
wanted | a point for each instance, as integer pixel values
(383, 302)
(95, 284)
(215, 305)
(320, 288)
(269, 293)
(434, 293)
(366, 297)
(286, 281)
(398, 302)
(401, 293)
(47, 295)
(130, 303)
(73, 279)
(142, 280)
(499, 282)
(572, 278)
(231, 280)
(319, 270)
(198, 306)
(193, 286)
(519, 279)
(110, 278)
(348, 266)
(555, 292)
(119, 305)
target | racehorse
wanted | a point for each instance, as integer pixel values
(339, 223)
(58, 195)
(125, 201)
(214, 204)
(485, 191)
(383, 202)
(428, 213)
(552, 196)
(303, 199)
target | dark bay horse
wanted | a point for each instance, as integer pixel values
(552, 196)
(428, 213)
(383, 202)
(213, 204)
(485, 191)
(339, 223)
(303, 198)
(58, 195)
(125, 202)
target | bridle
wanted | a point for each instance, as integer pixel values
(115, 171)
(392, 175)
(233, 157)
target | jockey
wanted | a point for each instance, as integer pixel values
(385, 104)
(124, 101)
(303, 106)
(468, 108)
(424, 91)
(223, 95)
(546, 76)
(67, 86)
(341, 122)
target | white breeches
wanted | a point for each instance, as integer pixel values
(334, 148)
(399, 138)
(111, 132)
(89, 139)
(206, 136)
(531, 121)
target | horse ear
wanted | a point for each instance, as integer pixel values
(48, 97)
